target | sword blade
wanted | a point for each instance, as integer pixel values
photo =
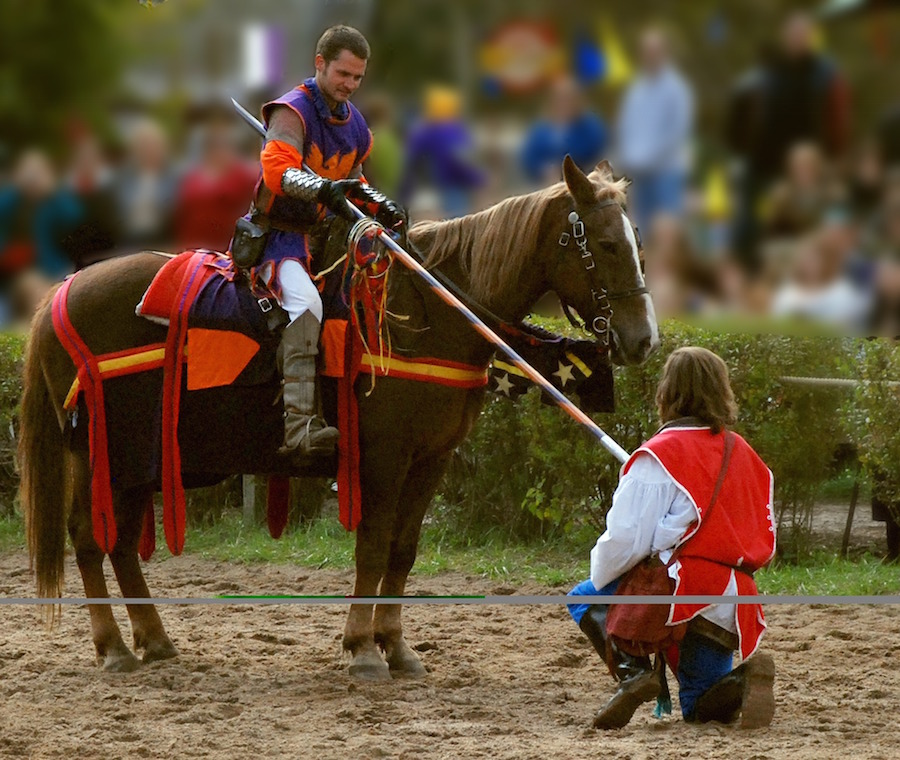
(249, 118)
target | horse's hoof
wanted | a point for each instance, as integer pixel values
(368, 666)
(404, 663)
(120, 662)
(163, 650)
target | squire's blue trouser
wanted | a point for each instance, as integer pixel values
(701, 662)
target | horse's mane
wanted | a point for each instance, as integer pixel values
(493, 245)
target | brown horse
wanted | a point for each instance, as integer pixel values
(504, 258)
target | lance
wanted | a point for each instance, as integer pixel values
(486, 332)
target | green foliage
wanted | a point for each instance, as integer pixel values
(12, 533)
(12, 349)
(534, 460)
(63, 62)
(530, 472)
(873, 412)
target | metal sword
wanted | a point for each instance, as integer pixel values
(486, 332)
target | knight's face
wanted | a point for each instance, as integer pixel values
(340, 78)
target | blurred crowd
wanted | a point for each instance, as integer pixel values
(57, 217)
(796, 216)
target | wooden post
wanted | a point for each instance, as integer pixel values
(254, 492)
(854, 495)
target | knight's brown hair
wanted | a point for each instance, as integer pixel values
(695, 384)
(340, 37)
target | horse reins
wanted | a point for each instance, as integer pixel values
(601, 295)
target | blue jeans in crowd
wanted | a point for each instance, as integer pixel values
(701, 661)
(653, 193)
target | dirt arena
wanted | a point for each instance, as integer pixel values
(504, 681)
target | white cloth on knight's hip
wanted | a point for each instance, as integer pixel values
(649, 513)
(298, 292)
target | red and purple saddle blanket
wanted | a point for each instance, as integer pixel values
(216, 337)
(214, 371)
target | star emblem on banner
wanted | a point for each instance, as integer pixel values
(564, 373)
(503, 384)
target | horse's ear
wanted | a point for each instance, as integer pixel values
(579, 185)
(605, 169)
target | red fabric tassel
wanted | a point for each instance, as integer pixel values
(104, 523)
(278, 496)
(174, 507)
(147, 544)
(349, 491)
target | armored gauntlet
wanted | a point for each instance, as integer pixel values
(314, 189)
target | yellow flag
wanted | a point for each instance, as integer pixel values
(618, 68)
(819, 43)
(716, 198)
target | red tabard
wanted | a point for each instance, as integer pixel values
(739, 537)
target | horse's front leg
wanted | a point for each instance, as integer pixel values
(418, 490)
(382, 478)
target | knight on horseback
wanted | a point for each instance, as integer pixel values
(313, 125)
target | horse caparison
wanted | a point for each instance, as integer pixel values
(505, 257)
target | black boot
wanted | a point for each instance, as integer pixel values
(638, 682)
(746, 692)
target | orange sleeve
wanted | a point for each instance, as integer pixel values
(275, 158)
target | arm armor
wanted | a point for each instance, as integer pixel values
(302, 185)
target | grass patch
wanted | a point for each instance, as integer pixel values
(839, 488)
(559, 564)
(323, 543)
(12, 533)
(825, 574)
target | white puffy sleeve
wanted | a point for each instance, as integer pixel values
(649, 514)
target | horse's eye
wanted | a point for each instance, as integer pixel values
(643, 266)
(637, 235)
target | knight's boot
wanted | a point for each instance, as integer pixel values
(638, 682)
(746, 692)
(304, 432)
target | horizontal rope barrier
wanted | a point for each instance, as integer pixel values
(511, 599)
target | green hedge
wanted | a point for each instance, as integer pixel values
(529, 471)
(12, 350)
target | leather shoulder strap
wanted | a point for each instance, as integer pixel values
(726, 458)
(723, 470)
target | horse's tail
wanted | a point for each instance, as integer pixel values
(42, 467)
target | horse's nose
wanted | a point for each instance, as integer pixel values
(643, 348)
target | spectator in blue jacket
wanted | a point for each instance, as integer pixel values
(567, 127)
(35, 215)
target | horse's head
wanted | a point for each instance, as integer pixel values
(598, 272)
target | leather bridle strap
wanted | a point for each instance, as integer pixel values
(600, 324)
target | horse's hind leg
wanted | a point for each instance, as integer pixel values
(418, 489)
(112, 652)
(146, 624)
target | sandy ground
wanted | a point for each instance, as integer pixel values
(504, 681)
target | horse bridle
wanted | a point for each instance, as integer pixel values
(601, 295)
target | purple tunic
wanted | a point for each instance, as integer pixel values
(334, 145)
